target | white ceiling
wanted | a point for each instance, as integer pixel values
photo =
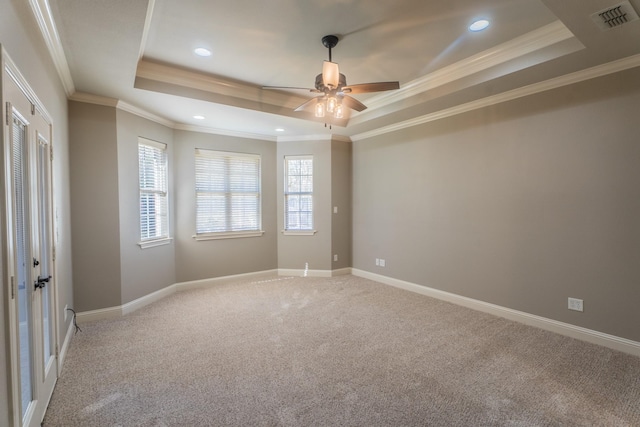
(140, 52)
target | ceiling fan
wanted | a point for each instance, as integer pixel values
(334, 89)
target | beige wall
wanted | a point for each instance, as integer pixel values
(295, 252)
(143, 271)
(197, 260)
(341, 232)
(523, 204)
(94, 206)
(331, 188)
(20, 37)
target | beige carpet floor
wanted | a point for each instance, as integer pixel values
(342, 351)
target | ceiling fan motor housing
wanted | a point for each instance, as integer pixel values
(321, 86)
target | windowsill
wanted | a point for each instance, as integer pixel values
(228, 235)
(299, 232)
(156, 242)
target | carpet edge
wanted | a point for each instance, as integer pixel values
(584, 334)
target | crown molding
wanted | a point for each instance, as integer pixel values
(89, 98)
(541, 38)
(42, 13)
(237, 134)
(172, 75)
(300, 138)
(319, 137)
(147, 26)
(124, 106)
(568, 79)
(340, 138)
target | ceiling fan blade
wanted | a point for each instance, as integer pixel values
(330, 74)
(309, 103)
(371, 87)
(290, 88)
(353, 103)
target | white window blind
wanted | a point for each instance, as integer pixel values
(228, 192)
(298, 193)
(154, 206)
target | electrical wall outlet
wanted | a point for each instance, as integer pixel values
(576, 304)
(382, 262)
(335, 257)
(377, 261)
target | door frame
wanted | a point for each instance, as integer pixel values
(36, 412)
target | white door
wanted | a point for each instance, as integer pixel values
(28, 189)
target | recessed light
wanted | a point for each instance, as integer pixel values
(479, 25)
(279, 130)
(198, 117)
(201, 51)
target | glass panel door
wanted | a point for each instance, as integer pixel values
(23, 261)
(45, 256)
(30, 248)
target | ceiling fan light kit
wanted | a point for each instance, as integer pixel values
(333, 87)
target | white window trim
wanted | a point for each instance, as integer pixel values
(298, 232)
(165, 240)
(218, 235)
(152, 243)
(228, 235)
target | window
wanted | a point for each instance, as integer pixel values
(298, 193)
(228, 195)
(154, 206)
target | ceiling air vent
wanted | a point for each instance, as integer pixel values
(615, 16)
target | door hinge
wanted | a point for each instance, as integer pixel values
(8, 113)
(51, 154)
(57, 352)
(13, 287)
(33, 109)
(53, 253)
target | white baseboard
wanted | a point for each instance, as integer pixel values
(584, 334)
(130, 307)
(137, 304)
(313, 273)
(204, 283)
(341, 272)
(65, 346)
(100, 314)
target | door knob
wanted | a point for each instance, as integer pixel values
(41, 282)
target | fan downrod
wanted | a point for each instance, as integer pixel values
(330, 42)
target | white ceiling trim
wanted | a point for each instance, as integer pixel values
(535, 40)
(209, 83)
(42, 13)
(579, 76)
(202, 129)
(147, 26)
(341, 138)
(319, 137)
(124, 106)
(89, 98)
